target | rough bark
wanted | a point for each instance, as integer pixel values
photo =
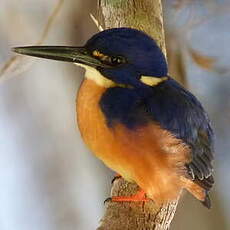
(147, 16)
(135, 215)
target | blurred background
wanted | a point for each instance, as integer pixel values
(48, 179)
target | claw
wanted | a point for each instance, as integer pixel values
(117, 176)
(107, 200)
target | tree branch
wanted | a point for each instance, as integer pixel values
(145, 15)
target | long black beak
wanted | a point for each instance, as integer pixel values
(61, 53)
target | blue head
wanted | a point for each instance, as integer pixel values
(120, 55)
(131, 52)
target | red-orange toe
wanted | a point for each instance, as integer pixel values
(138, 197)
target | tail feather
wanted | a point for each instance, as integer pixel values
(206, 184)
(207, 202)
(198, 191)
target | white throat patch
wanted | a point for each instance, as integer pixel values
(93, 74)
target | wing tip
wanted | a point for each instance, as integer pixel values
(207, 201)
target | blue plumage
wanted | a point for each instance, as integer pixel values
(168, 104)
(175, 109)
(143, 55)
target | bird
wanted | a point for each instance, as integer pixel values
(136, 118)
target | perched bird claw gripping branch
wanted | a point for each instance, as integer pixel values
(138, 120)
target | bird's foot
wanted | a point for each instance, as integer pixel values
(117, 176)
(138, 197)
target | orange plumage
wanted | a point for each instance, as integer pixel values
(150, 156)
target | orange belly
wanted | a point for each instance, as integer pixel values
(150, 156)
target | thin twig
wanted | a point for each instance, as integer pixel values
(18, 64)
(100, 28)
(50, 21)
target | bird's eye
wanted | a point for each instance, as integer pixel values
(117, 60)
(110, 60)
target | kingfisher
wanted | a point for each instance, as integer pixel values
(136, 118)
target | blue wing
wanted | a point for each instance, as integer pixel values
(179, 112)
(174, 109)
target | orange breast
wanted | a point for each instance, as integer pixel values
(148, 155)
